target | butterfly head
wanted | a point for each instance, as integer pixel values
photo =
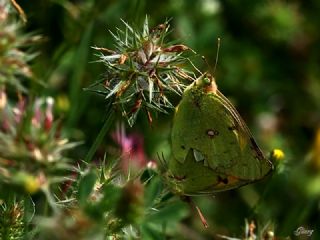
(207, 82)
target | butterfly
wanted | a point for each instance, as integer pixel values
(212, 147)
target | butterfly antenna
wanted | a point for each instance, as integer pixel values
(208, 65)
(197, 54)
(213, 71)
(217, 56)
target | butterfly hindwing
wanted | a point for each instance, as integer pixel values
(200, 129)
(192, 178)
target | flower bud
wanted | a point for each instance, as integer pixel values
(3, 99)
(130, 205)
(48, 120)
(277, 154)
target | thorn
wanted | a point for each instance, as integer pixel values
(203, 220)
(194, 206)
(20, 10)
(106, 50)
(176, 48)
(122, 59)
(136, 106)
(149, 118)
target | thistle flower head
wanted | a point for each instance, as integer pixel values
(30, 144)
(13, 62)
(142, 70)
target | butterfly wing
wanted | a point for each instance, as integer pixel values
(210, 126)
(251, 163)
(193, 178)
(199, 124)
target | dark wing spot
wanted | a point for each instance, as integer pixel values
(179, 178)
(212, 133)
(222, 180)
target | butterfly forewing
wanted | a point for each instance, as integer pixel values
(252, 162)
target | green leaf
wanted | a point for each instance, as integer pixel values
(149, 233)
(145, 28)
(111, 195)
(170, 213)
(79, 67)
(153, 191)
(86, 185)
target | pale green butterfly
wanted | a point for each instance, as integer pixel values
(212, 147)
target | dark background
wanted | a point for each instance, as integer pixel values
(268, 67)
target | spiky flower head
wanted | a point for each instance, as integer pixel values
(11, 220)
(31, 148)
(142, 70)
(13, 61)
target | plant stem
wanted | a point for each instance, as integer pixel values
(105, 128)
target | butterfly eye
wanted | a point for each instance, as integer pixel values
(206, 80)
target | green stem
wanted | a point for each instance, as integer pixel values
(28, 214)
(105, 128)
(50, 201)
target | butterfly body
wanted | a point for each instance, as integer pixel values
(212, 148)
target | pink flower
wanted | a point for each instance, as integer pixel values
(133, 157)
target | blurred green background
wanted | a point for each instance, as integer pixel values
(268, 67)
